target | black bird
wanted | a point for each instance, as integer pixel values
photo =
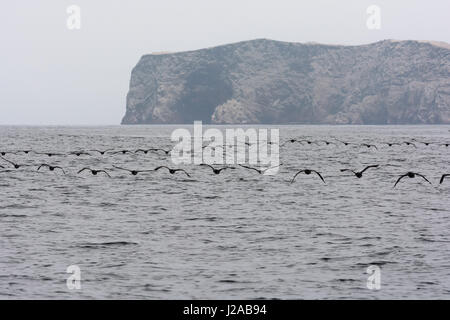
(390, 144)
(133, 172)
(411, 175)
(172, 171)
(443, 177)
(445, 144)
(24, 151)
(102, 152)
(409, 144)
(345, 143)
(94, 172)
(51, 168)
(50, 154)
(80, 153)
(144, 151)
(289, 141)
(368, 145)
(160, 149)
(360, 173)
(425, 143)
(122, 152)
(15, 165)
(4, 153)
(327, 142)
(215, 170)
(308, 141)
(260, 171)
(307, 172)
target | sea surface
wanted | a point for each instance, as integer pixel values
(236, 235)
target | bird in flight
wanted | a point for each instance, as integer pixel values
(368, 145)
(102, 152)
(80, 153)
(15, 165)
(308, 141)
(172, 171)
(215, 170)
(423, 142)
(390, 144)
(51, 168)
(95, 172)
(160, 149)
(24, 151)
(122, 152)
(4, 153)
(411, 175)
(307, 172)
(50, 154)
(260, 171)
(445, 144)
(133, 172)
(289, 141)
(408, 143)
(443, 177)
(360, 173)
(327, 142)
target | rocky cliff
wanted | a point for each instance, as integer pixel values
(265, 81)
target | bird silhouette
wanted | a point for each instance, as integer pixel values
(359, 174)
(133, 172)
(390, 144)
(102, 152)
(260, 171)
(215, 170)
(160, 149)
(172, 171)
(368, 145)
(80, 153)
(51, 168)
(50, 154)
(408, 143)
(411, 175)
(15, 165)
(307, 172)
(95, 172)
(122, 152)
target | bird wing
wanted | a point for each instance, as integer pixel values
(61, 169)
(104, 173)
(7, 160)
(207, 165)
(246, 167)
(42, 165)
(371, 166)
(156, 169)
(421, 175)
(400, 178)
(182, 170)
(295, 176)
(121, 168)
(443, 177)
(319, 175)
(82, 170)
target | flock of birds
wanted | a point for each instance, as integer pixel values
(215, 170)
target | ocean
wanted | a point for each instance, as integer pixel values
(236, 235)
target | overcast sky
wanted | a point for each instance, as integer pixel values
(53, 75)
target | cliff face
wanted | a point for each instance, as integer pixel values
(264, 81)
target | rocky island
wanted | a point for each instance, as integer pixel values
(272, 82)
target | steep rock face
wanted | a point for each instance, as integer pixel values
(265, 81)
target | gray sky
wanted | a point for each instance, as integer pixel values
(52, 75)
